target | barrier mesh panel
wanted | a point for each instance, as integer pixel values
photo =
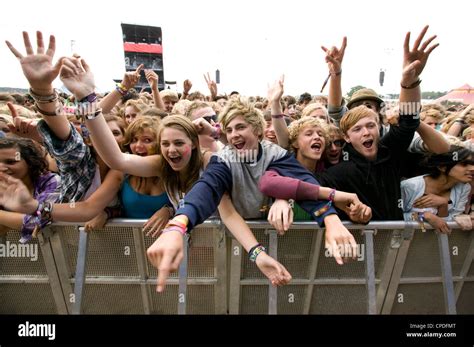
(423, 256)
(254, 299)
(426, 298)
(459, 242)
(200, 299)
(166, 302)
(26, 298)
(291, 299)
(111, 252)
(25, 260)
(328, 268)
(339, 299)
(112, 299)
(465, 303)
(70, 238)
(471, 271)
(294, 251)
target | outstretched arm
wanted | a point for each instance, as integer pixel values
(78, 78)
(152, 79)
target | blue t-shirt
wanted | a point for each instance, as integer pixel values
(140, 206)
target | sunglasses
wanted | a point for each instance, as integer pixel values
(337, 143)
(209, 118)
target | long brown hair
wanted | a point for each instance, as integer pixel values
(171, 178)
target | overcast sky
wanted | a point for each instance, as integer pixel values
(252, 42)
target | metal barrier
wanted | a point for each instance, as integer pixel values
(399, 270)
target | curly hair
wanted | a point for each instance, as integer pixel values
(30, 152)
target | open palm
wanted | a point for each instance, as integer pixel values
(38, 68)
(14, 195)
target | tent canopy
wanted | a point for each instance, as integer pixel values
(464, 94)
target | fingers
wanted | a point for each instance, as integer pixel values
(13, 111)
(165, 266)
(85, 66)
(406, 43)
(335, 252)
(428, 52)
(324, 49)
(420, 38)
(14, 50)
(139, 69)
(427, 42)
(51, 46)
(39, 42)
(26, 40)
(344, 45)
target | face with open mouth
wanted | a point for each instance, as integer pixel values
(310, 143)
(241, 136)
(176, 148)
(144, 143)
(364, 136)
(269, 132)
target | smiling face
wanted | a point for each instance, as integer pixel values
(242, 136)
(463, 172)
(144, 143)
(364, 136)
(176, 148)
(269, 132)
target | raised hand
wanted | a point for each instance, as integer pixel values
(211, 85)
(152, 78)
(414, 60)
(275, 272)
(131, 78)
(38, 68)
(275, 91)
(187, 85)
(77, 77)
(15, 196)
(334, 57)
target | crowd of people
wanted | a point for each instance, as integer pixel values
(178, 159)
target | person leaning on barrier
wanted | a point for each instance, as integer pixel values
(443, 193)
(240, 164)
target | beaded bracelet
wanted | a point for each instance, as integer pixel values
(44, 99)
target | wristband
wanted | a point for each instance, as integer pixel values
(277, 116)
(44, 99)
(173, 228)
(326, 207)
(413, 85)
(255, 251)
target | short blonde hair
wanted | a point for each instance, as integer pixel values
(297, 126)
(181, 107)
(169, 94)
(313, 107)
(241, 107)
(354, 115)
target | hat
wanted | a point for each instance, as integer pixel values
(364, 94)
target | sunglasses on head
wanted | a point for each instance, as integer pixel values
(337, 143)
(209, 118)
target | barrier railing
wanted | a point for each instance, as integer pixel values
(399, 269)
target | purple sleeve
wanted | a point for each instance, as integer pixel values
(280, 187)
